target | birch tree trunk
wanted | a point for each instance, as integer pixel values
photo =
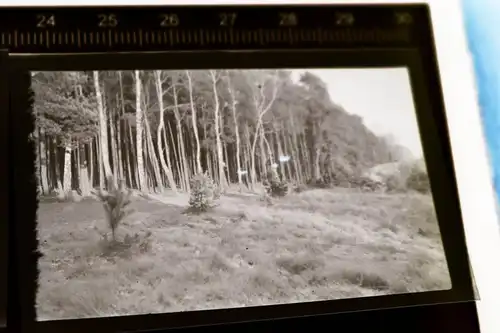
(194, 123)
(102, 126)
(160, 130)
(138, 134)
(236, 128)
(220, 157)
(67, 169)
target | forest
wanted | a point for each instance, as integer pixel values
(210, 139)
(154, 130)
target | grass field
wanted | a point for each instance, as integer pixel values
(315, 245)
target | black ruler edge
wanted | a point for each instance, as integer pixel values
(194, 27)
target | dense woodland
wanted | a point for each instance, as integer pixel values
(155, 129)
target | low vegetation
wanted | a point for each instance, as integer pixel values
(313, 245)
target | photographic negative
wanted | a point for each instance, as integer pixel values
(182, 190)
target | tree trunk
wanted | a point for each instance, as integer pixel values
(226, 167)
(152, 156)
(102, 126)
(161, 130)
(180, 140)
(194, 124)
(43, 161)
(220, 157)
(91, 163)
(114, 149)
(133, 157)
(99, 161)
(67, 170)
(126, 141)
(138, 134)
(236, 129)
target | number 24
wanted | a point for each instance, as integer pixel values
(44, 21)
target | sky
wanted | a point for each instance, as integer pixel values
(381, 96)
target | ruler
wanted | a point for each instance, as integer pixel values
(122, 29)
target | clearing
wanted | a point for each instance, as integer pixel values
(315, 245)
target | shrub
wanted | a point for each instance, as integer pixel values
(274, 186)
(204, 192)
(395, 183)
(418, 180)
(115, 202)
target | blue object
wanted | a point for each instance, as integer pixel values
(482, 23)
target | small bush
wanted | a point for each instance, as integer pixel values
(115, 202)
(418, 180)
(395, 183)
(204, 192)
(274, 186)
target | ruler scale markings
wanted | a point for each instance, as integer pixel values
(202, 41)
(134, 37)
(170, 37)
(140, 37)
(153, 37)
(261, 37)
(267, 35)
(237, 37)
(28, 38)
(319, 32)
(3, 38)
(97, 38)
(206, 34)
(314, 37)
(177, 39)
(59, 38)
(231, 36)
(78, 38)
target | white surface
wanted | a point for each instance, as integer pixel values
(473, 173)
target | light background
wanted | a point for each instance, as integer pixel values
(474, 175)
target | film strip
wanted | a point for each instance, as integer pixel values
(121, 29)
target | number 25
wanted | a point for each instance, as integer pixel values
(107, 21)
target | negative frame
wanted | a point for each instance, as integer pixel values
(436, 149)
